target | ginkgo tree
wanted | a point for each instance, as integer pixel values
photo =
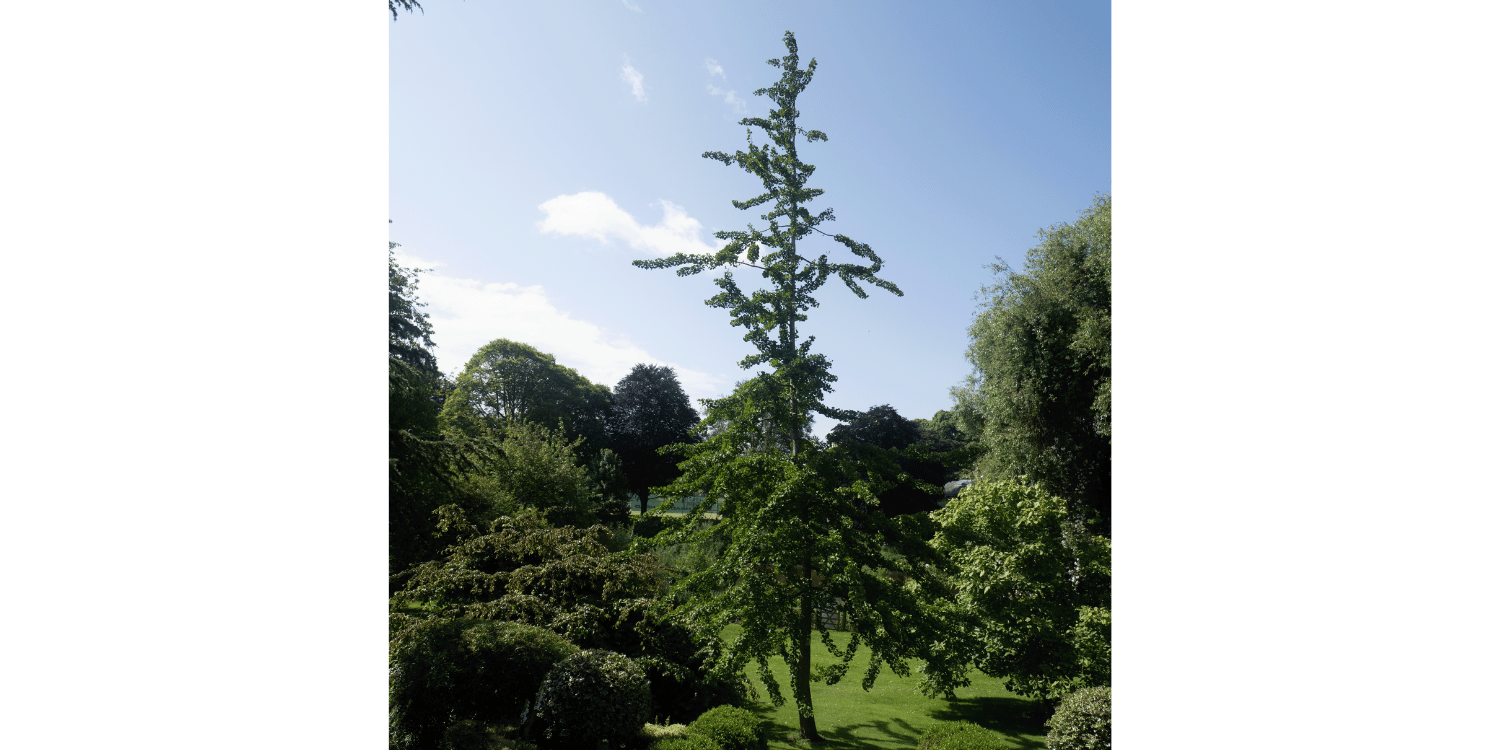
(800, 527)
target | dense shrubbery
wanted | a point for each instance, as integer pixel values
(1031, 587)
(1082, 721)
(685, 742)
(730, 728)
(444, 671)
(566, 580)
(474, 735)
(961, 735)
(592, 696)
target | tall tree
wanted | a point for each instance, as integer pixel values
(650, 411)
(507, 380)
(797, 527)
(1040, 346)
(411, 331)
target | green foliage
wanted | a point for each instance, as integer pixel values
(961, 735)
(650, 411)
(507, 382)
(405, 5)
(537, 468)
(445, 670)
(473, 735)
(592, 696)
(426, 470)
(1031, 587)
(946, 435)
(889, 445)
(1040, 346)
(411, 331)
(730, 728)
(1082, 721)
(685, 742)
(610, 486)
(567, 580)
(652, 732)
(798, 530)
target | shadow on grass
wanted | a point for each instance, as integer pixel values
(847, 737)
(1016, 718)
(1011, 717)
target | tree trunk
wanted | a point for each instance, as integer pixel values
(802, 672)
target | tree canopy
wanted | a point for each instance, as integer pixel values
(798, 528)
(1040, 347)
(650, 411)
(891, 444)
(1031, 587)
(508, 381)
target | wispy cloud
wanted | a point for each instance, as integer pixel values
(467, 314)
(729, 97)
(633, 77)
(631, 5)
(595, 215)
(714, 68)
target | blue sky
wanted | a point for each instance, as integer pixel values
(537, 148)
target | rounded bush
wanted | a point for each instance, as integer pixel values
(1081, 722)
(961, 735)
(590, 696)
(729, 727)
(446, 671)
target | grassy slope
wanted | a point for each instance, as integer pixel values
(893, 714)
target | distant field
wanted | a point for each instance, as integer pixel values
(676, 509)
(893, 714)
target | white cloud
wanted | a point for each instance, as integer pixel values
(631, 5)
(467, 314)
(714, 68)
(633, 77)
(729, 97)
(595, 215)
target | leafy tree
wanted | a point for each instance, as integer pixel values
(411, 331)
(1031, 587)
(650, 411)
(1040, 390)
(885, 440)
(507, 381)
(798, 528)
(946, 435)
(533, 467)
(882, 426)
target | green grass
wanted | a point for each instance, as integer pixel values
(893, 714)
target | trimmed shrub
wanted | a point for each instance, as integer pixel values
(1082, 721)
(731, 728)
(961, 735)
(591, 696)
(445, 671)
(652, 732)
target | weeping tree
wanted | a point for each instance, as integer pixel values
(800, 528)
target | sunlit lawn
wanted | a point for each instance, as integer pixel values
(893, 714)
